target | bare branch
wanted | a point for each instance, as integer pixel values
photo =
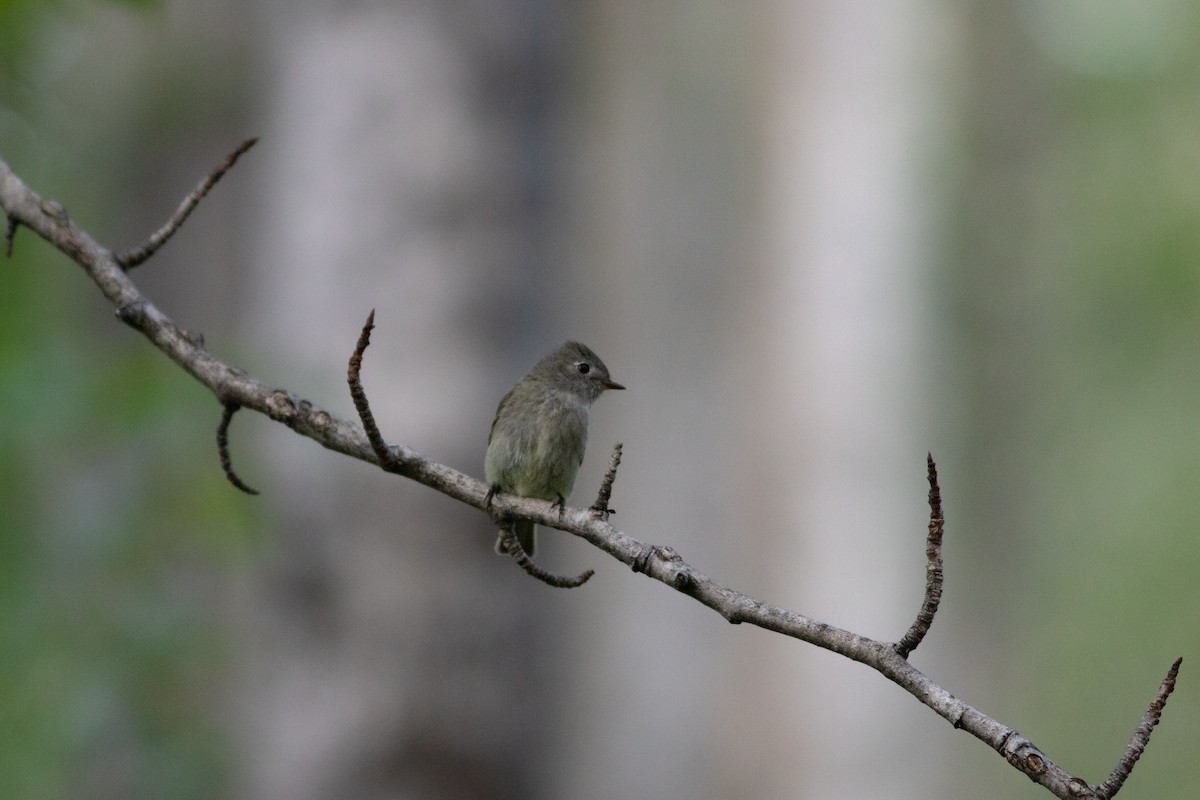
(1141, 736)
(137, 255)
(512, 545)
(10, 234)
(600, 507)
(359, 395)
(223, 448)
(933, 568)
(50, 221)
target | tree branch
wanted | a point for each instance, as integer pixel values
(223, 449)
(511, 544)
(933, 568)
(232, 386)
(1141, 736)
(600, 507)
(10, 234)
(137, 255)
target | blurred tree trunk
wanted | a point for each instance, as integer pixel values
(841, 360)
(661, 262)
(392, 654)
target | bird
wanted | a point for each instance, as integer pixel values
(539, 434)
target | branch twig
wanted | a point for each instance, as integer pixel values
(600, 507)
(50, 221)
(933, 568)
(359, 395)
(1141, 736)
(10, 235)
(512, 545)
(137, 255)
(223, 448)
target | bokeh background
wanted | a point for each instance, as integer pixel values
(815, 239)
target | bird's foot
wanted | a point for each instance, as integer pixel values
(493, 490)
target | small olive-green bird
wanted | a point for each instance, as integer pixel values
(540, 431)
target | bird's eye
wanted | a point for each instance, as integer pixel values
(583, 367)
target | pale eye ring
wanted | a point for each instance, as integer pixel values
(583, 367)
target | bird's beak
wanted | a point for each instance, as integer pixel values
(612, 385)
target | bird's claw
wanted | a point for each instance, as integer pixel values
(601, 511)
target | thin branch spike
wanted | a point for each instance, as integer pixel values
(359, 395)
(223, 448)
(138, 255)
(511, 545)
(1141, 736)
(600, 507)
(10, 235)
(933, 568)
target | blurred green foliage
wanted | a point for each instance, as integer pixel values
(23, 24)
(1093, 451)
(117, 529)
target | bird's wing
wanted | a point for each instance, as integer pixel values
(499, 411)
